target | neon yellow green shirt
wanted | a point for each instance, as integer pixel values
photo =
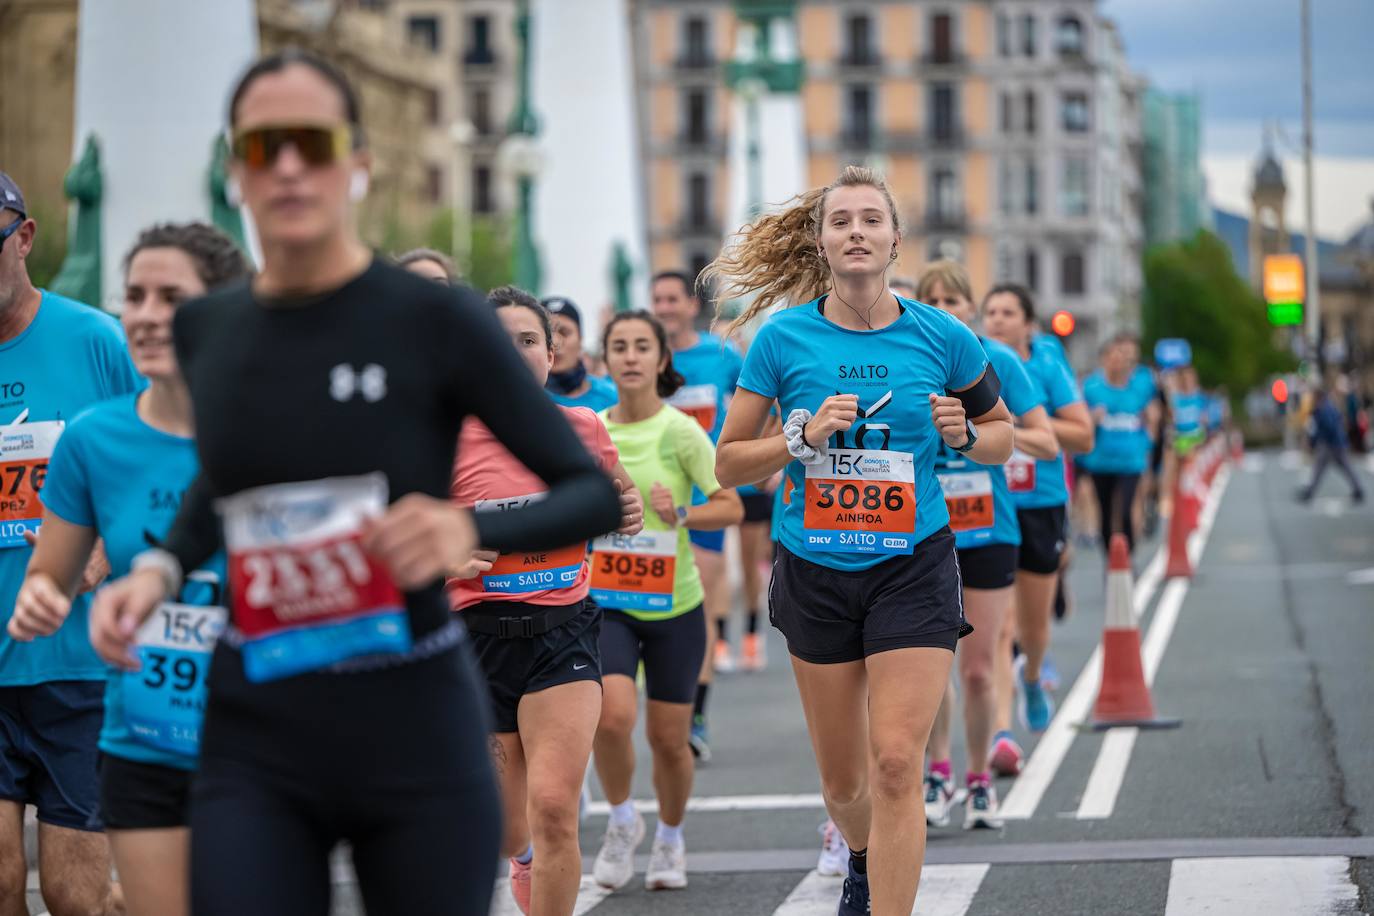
(668, 448)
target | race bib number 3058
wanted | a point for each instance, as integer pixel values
(635, 573)
(305, 595)
(24, 452)
(861, 501)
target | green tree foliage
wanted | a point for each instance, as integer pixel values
(1192, 291)
(493, 253)
(49, 248)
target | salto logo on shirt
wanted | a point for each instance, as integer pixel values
(345, 382)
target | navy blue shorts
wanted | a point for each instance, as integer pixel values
(713, 541)
(48, 753)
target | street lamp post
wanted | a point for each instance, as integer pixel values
(523, 159)
(461, 134)
(1314, 317)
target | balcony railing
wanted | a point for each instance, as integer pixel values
(943, 220)
(946, 136)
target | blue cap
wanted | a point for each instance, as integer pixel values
(11, 198)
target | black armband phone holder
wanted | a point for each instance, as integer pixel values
(983, 396)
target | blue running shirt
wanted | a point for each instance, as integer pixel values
(1122, 445)
(1061, 390)
(598, 397)
(68, 358)
(121, 477)
(860, 501)
(977, 496)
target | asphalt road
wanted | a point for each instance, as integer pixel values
(1259, 803)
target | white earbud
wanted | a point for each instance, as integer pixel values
(233, 194)
(357, 185)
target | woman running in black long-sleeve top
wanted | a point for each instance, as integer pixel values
(328, 398)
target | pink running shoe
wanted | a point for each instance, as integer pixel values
(1006, 755)
(520, 883)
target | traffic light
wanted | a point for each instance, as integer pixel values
(1062, 323)
(1279, 390)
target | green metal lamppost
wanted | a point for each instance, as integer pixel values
(521, 154)
(759, 70)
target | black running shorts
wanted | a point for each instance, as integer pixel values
(1042, 539)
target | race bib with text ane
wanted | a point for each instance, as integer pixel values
(1020, 471)
(635, 572)
(164, 701)
(699, 402)
(305, 595)
(24, 452)
(968, 497)
(861, 501)
(519, 573)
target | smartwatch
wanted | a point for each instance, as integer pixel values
(972, 438)
(681, 516)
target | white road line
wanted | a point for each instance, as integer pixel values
(1274, 886)
(717, 803)
(588, 896)
(1053, 746)
(1253, 462)
(1361, 577)
(1109, 771)
(946, 890)
(1291, 459)
(1331, 506)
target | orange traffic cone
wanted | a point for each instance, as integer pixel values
(1124, 698)
(1181, 523)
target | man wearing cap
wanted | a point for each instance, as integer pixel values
(569, 383)
(57, 357)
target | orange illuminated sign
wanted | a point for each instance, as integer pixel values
(1283, 278)
(1062, 323)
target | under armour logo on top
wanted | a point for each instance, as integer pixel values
(345, 382)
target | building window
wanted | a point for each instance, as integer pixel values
(1074, 112)
(434, 182)
(696, 42)
(1028, 35)
(1003, 35)
(941, 38)
(479, 111)
(482, 201)
(696, 127)
(1073, 190)
(1004, 113)
(859, 41)
(698, 201)
(378, 5)
(479, 41)
(1029, 111)
(944, 196)
(859, 125)
(423, 31)
(1068, 37)
(1032, 270)
(1071, 274)
(1006, 264)
(944, 123)
(1032, 187)
(1006, 187)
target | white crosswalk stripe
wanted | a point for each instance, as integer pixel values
(588, 896)
(1317, 886)
(946, 890)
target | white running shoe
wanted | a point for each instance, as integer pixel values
(667, 867)
(980, 808)
(615, 863)
(834, 860)
(941, 796)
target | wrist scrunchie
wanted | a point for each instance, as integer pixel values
(796, 442)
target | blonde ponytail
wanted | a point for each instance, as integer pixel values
(775, 258)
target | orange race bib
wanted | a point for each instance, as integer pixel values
(1020, 471)
(969, 500)
(24, 452)
(699, 402)
(540, 571)
(635, 573)
(861, 501)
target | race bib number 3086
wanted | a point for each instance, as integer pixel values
(861, 501)
(24, 452)
(305, 595)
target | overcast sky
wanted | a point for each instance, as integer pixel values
(1244, 57)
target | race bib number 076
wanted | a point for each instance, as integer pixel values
(861, 501)
(24, 452)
